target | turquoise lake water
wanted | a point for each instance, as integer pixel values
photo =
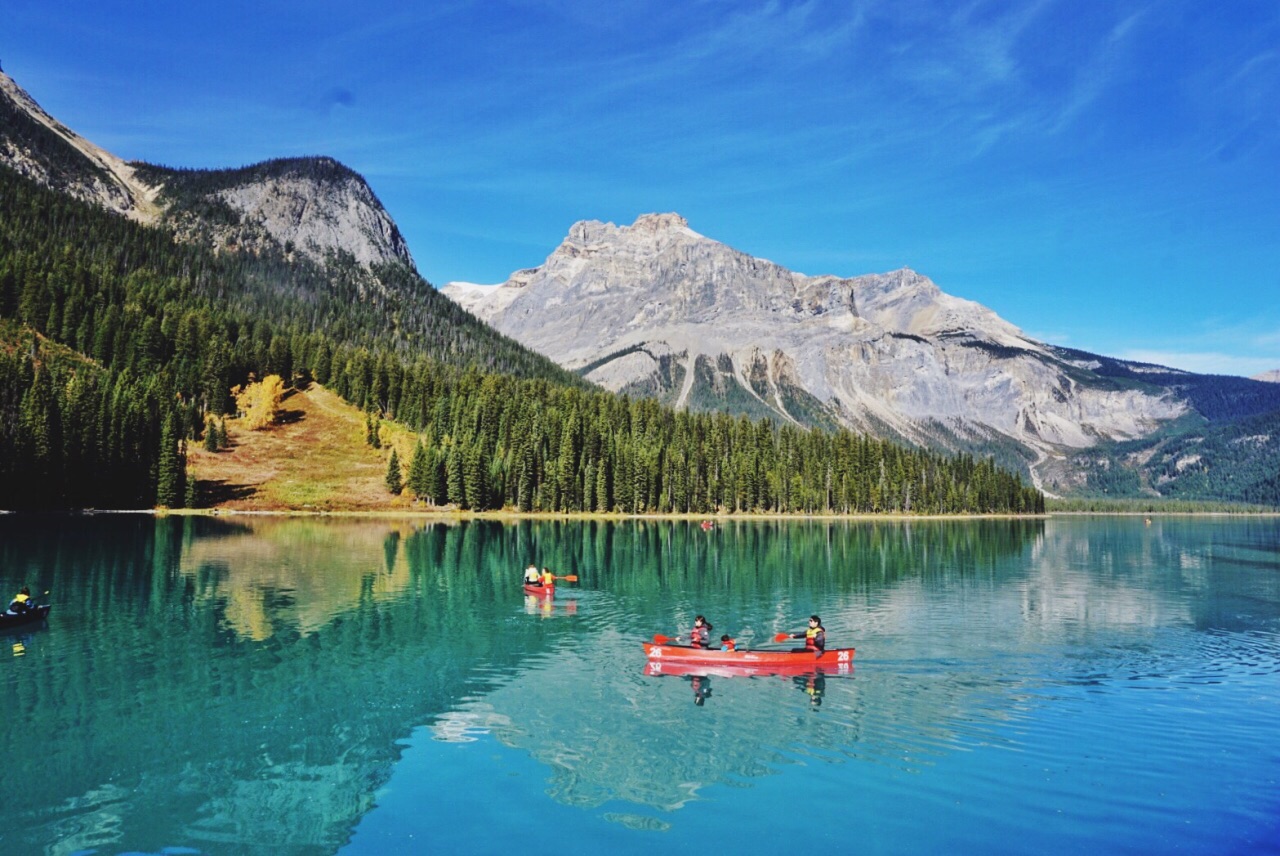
(321, 685)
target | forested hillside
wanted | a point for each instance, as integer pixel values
(117, 342)
(1218, 398)
(1233, 461)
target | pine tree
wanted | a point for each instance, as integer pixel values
(210, 435)
(170, 467)
(474, 486)
(419, 472)
(395, 483)
(453, 470)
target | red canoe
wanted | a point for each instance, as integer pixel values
(655, 668)
(541, 591)
(683, 659)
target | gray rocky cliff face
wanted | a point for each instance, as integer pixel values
(884, 353)
(321, 217)
(316, 213)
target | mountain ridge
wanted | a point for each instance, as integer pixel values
(38, 146)
(313, 206)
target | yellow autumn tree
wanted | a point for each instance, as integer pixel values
(259, 401)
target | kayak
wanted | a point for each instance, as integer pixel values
(540, 591)
(683, 659)
(31, 616)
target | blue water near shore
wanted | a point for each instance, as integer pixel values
(1096, 685)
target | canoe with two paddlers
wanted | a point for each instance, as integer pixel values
(686, 658)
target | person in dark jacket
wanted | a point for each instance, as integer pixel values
(700, 635)
(815, 637)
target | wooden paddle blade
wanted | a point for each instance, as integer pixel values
(781, 637)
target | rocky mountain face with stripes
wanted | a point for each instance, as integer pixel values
(656, 309)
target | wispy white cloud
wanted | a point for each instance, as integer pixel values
(1057, 337)
(1204, 362)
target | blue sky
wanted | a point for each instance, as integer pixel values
(1105, 175)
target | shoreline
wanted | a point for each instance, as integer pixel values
(455, 515)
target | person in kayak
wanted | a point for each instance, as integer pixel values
(727, 643)
(700, 635)
(815, 638)
(21, 602)
(531, 576)
(548, 578)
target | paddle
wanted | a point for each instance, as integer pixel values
(571, 578)
(659, 639)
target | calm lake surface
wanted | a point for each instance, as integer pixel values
(272, 685)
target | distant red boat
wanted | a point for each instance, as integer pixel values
(540, 591)
(686, 660)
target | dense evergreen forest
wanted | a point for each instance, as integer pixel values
(116, 343)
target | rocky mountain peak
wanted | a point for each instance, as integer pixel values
(649, 230)
(659, 222)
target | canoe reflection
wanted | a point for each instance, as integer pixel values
(546, 606)
(813, 684)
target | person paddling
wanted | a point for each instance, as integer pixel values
(21, 602)
(700, 635)
(815, 638)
